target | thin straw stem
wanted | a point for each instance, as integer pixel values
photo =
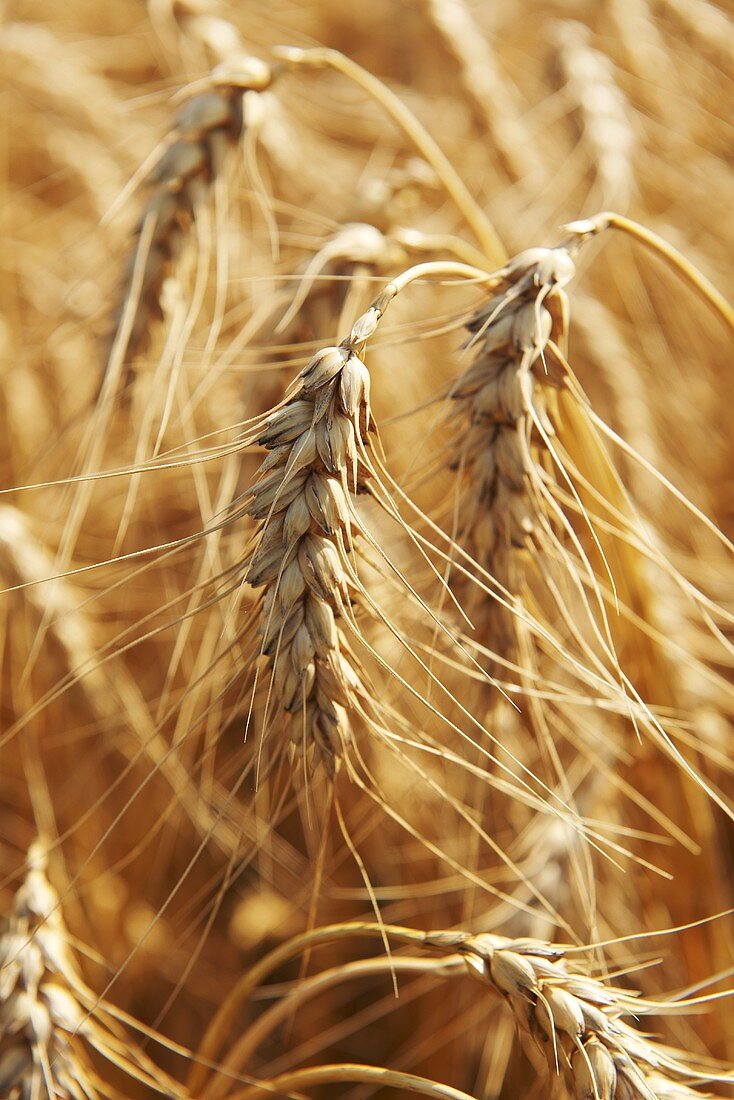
(473, 215)
(687, 271)
(254, 977)
(378, 1076)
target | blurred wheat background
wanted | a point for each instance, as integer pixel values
(347, 660)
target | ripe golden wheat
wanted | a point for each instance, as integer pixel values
(366, 551)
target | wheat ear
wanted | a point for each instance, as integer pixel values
(492, 96)
(49, 1021)
(495, 405)
(605, 114)
(304, 555)
(573, 1026)
(204, 129)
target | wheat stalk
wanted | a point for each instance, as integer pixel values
(455, 187)
(377, 1076)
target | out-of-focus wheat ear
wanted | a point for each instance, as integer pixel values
(604, 345)
(207, 125)
(356, 247)
(643, 50)
(706, 25)
(605, 115)
(60, 74)
(192, 30)
(492, 96)
(390, 195)
(50, 1021)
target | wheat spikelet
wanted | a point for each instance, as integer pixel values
(604, 111)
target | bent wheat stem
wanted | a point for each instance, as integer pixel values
(378, 1076)
(473, 215)
(244, 1048)
(689, 272)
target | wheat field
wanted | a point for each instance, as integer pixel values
(366, 520)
